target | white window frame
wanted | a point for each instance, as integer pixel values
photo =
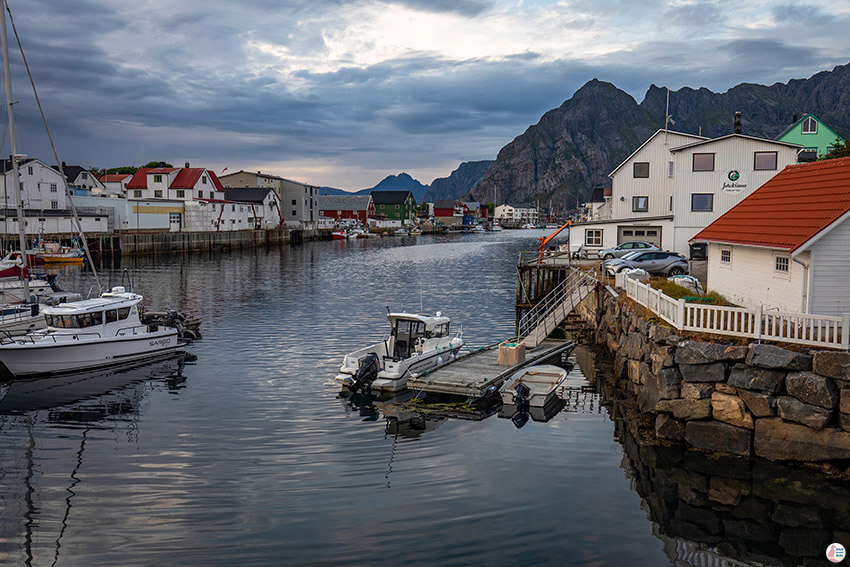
(727, 263)
(782, 266)
(635, 208)
(593, 237)
(807, 121)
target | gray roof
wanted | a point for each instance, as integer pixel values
(446, 203)
(247, 194)
(344, 202)
(391, 197)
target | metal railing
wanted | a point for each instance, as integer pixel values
(752, 323)
(563, 298)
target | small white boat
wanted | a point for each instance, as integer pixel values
(528, 225)
(496, 227)
(20, 319)
(416, 343)
(415, 232)
(534, 386)
(87, 334)
(477, 228)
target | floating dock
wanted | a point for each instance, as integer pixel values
(475, 373)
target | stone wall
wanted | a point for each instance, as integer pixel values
(755, 399)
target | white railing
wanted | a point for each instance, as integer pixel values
(757, 323)
(575, 280)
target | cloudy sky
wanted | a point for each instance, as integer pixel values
(342, 93)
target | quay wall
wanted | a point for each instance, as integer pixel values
(734, 398)
(171, 242)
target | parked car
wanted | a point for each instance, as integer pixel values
(625, 248)
(654, 262)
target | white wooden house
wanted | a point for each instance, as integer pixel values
(263, 204)
(676, 184)
(175, 183)
(787, 245)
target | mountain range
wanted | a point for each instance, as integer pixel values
(400, 182)
(574, 147)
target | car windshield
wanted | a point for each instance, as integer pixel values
(632, 255)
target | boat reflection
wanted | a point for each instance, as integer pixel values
(22, 396)
(520, 416)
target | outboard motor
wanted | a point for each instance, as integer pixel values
(521, 397)
(366, 373)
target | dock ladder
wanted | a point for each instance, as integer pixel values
(541, 320)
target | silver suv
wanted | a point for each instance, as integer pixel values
(625, 248)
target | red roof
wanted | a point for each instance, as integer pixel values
(113, 177)
(789, 210)
(186, 177)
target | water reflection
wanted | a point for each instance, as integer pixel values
(713, 510)
(77, 404)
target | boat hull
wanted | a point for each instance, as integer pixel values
(45, 357)
(395, 379)
(542, 381)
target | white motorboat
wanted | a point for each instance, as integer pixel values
(416, 343)
(20, 319)
(477, 228)
(496, 227)
(87, 334)
(534, 386)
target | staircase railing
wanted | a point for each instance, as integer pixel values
(556, 299)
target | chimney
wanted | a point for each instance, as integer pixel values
(64, 165)
(737, 122)
(187, 165)
(794, 118)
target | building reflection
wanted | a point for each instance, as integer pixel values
(711, 510)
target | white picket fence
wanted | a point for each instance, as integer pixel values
(758, 323)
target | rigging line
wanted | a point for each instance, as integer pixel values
(71, 494)
(55, 153)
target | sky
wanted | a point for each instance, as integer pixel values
(343, 93)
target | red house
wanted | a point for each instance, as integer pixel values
(347, 207)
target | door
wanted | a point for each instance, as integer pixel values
(643, 233)
(174, 222)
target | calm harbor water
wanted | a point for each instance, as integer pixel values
(249, 455)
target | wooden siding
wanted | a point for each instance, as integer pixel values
(830, 287)
(658, 186)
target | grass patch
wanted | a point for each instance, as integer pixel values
(676, 291)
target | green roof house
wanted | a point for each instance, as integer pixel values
(397, 205)
(816, 137)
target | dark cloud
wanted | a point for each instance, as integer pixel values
(795, 13)
(175, 81)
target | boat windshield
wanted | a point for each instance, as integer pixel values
(406, 333)
(84, 320)
(439, 331)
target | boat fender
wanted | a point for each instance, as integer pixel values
(190, 334)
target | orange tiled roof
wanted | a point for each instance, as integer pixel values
(787, 211)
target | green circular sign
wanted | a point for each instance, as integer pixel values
(734, 175)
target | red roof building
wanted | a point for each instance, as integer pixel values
(175, 183)
(787, 245)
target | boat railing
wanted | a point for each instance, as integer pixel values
(39, 336)
(132, 330)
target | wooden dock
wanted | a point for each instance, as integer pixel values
(475, 373)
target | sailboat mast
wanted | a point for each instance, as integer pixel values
(16, 180)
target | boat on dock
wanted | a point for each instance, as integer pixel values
(415, 344)
(92, 333)
(534, 386)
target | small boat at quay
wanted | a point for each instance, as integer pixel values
(416, 343)
(534, 386)
(87, 334)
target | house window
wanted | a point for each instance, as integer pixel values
(640, 169)
(639, 233)
(671, 202)
(83, 175)
(204, 179)
(294, 213)
(764, 160)
(233, 208)
(810, 126)
(181, 193)
(53, 188)
(725, 256)
(628, 233)
(157, 178)
(640, 204)
(396, 206)
(702, 202)
(669, 169)
(157, 194)
(137, 193)
(54, 204)
(703, 162)
(782, 264)
(593, 237)
(29, 170)
(652, 233)
(293, 202)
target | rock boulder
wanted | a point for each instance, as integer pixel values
(770, 356)
(781, 441)
(731, 409)
(812, 388)
(718, 437)
(685, 409)
(696, 352)
(832, 364)
(792, 409)
(750, 378)
(760, 405)
(715, 372)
